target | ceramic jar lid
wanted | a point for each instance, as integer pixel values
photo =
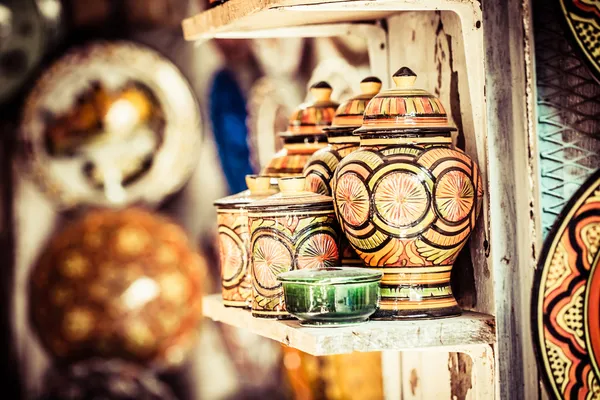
(331, 276)
(309, 119)
(349, 115)
(405, 108)
(293, 197)
(259, 187)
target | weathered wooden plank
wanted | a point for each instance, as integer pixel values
(433, 44)
(469, 328)
(512, 187)
(250, 15)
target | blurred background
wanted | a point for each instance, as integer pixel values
(104, 105)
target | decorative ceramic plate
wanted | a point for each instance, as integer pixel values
(111, 124)
(583, 19)
(566, 299)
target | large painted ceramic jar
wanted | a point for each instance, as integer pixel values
(305, 133)
(320, 167)
(407, 200)
(294, 229)
(234, 241)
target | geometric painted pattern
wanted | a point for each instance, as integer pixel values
(568, 109)
(409, 210)
(566, 299)
(285, 243)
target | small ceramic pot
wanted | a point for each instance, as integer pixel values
(234, 241)
(331, 296)
(305, 134)
(320, 167)
(407, 200)
(291, 230)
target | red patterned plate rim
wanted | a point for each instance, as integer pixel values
(584, 201)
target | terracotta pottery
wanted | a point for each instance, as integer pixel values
(320, 167)
(565, 301)
(234, 240)
(291, 230)
(305, 133)
(118, 284)
(407, 200)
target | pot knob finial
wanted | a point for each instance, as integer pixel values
(258, 184)
(321, 91)
(404, 78)
(292, 184)
(370, 85)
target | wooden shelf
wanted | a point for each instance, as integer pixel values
(262, 18)
(468, 329)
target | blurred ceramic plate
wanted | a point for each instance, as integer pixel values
(111, 124)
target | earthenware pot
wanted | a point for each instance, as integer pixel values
(291, 230)
(331, 296)
(305, 133)
(234, 240)
(407, 200)
(321, 165)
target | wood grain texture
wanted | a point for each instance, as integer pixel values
(250, 15)
(511, 186)
(438, 54)
(470, 328)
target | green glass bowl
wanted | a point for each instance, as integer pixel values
(331, 296)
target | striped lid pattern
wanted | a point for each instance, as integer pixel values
(350, 113)
(405, 108)
(311, 118)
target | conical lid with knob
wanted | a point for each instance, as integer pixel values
(293, 196)
(405, 108)
(310, 118)
(349, 115)
(259, 187)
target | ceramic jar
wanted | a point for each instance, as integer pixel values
(321, 165)
(305, 133)
(407, 200)
(348, 117)
(234, 241)
(291, 230)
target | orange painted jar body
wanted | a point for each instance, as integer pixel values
(407, 200)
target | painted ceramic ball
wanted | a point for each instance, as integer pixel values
(105, 379)
(118, 284)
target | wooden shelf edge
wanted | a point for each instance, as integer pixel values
(239, 16)
(466, 330)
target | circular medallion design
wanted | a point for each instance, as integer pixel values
(352, 199)
(454, 196)
(566, 298)
(316, 184)
(318, 251)
(271, 257)
(232, 258)
(401, 199)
